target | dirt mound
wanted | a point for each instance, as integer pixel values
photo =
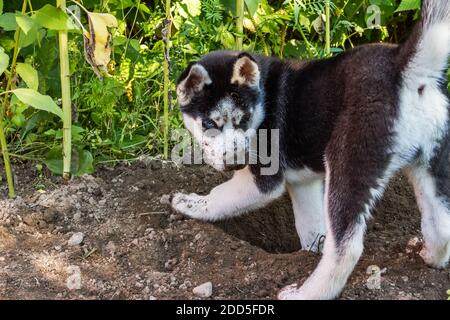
(132, 246)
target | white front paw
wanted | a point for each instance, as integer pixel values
(191, 205)
(308, 291)
(291, 292)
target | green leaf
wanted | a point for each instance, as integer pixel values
(34, 121)
(77, 133)
(304, 21)
(227, 39)
(18, 120)
(252, 6)
(4, 61)
(58, 134)
(33, 35)
(82, 161)
(38, 101)
(85, 163)
(7, 43)
(136, 141)
(143, 8)
(193, 7)
(52, 18)
(8, 21)
(54, 161)
(407, 5)
(28, 74)
(1, 6)
(135, 44)
(25, 23)
(119, 40)
(230, 5)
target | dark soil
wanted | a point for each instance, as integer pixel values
(135, 247)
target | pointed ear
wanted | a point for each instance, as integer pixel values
(246, 71)
(193, 83)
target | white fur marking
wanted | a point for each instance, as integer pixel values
(238, 195)
(239, 78)
(306, 191)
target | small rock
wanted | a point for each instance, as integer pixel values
(414, 244)
(165, 199)
(175, 217)
(76, 239)
(50, 216)
(42, 224)
(374, 281)
(373, 269)
(111, 248)
(203, 290)
(170, 264)
(28, 219)
(155, 164)
(77, 216)
(182, 287)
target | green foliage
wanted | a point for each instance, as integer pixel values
(4, 60)
(38, 101)
(52, 18)
(406, 5)
(28, 74)
(121, 116)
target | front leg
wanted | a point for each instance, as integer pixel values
(236, 196)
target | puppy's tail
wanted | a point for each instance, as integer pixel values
(427, 50)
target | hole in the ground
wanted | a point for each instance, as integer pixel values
(271, 228)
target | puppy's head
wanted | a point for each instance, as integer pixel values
(221, 100)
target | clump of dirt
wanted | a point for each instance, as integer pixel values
(129, 244)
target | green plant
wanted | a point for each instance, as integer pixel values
(25, 33)
(65, 96)
(166, 66)
(129, 112)
(239, 23)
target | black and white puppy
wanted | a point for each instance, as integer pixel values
(346, 125)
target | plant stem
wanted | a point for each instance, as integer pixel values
(8, 171)
(65, 95)
(166, 67)
(327, 28)
(3, 143)
(239, 23)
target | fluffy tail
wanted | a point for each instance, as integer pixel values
(428, 48)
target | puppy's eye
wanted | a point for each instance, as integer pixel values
(234, 95)
(209, 124)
